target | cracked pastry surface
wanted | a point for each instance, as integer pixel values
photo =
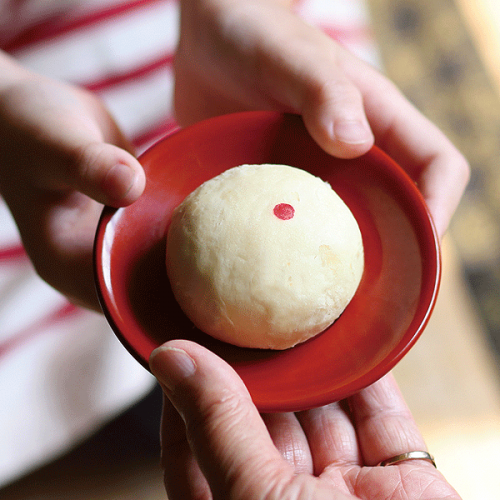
(264, 256)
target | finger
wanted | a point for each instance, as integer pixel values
(439, 169)
(314, 84)
(331, 435)
(77, 144)
(182, 476)
(106, 173)
(446, 168)
(63, 227)
(225, 431)
(294, 70)
(101, 163)
(333, 112)
(290, 440)
(384, 424)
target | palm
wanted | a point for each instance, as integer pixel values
(338, 447)
(403, 482)
(409, 480)
(324, 453)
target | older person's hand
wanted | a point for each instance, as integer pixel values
(216, 445)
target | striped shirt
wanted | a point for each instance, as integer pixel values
(62, 372)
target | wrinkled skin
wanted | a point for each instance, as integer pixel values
(216, 445)
(62, 157)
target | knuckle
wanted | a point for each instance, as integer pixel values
(219, 415)
(337, 92)
(226, 407)
(84, 163)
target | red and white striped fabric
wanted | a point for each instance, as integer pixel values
(62, 372)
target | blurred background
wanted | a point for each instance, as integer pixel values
(445, 56)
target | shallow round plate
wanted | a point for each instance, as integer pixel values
(384, 319)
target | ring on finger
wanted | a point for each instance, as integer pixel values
(410, 455)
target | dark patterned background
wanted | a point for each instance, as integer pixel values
(427, 50)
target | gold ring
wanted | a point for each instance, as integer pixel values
(411, 455)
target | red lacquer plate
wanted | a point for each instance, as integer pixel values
(384, 319)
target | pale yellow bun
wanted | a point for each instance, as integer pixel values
(264, 256)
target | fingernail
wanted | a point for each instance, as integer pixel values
(351, 132)
(180, 366)
(119, 181)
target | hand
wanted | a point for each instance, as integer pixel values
(239, 55)
(216, 445)
(61, 157)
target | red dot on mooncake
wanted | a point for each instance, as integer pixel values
(284, 211)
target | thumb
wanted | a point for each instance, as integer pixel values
(105, 173)
(74, 140)
(225, 431)
(91, 156)
(333, 114)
